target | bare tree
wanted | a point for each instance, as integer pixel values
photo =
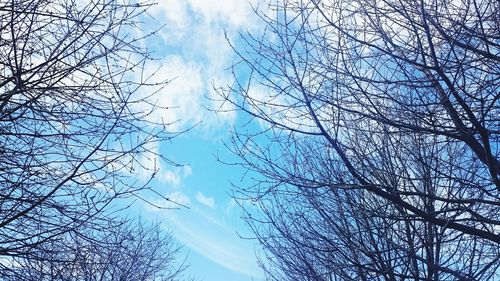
(126, 251)
(75, 122)
(319, 227)
(378, 138)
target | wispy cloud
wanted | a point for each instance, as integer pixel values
(175, 199)
(179, 197)
(174, 176)
(213, 239)
(195, 54)
(208, 201)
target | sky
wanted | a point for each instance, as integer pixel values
(194, 55)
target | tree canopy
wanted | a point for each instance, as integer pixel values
(75, 101)
(377, 154)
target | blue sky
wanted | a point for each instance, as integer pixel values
(193, 53)
(210, 228)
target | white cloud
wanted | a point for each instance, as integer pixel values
(179, 197)
(168, 176)
(174, 176)
(183, 102)
(150, 161)
(236, 13)
(230, 206)
(187, 171)
(195, 54)
(208, 201)
(175, 200)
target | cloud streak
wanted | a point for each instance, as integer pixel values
(214, 240)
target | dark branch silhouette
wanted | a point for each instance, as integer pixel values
(76, 99)
(377, 155)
